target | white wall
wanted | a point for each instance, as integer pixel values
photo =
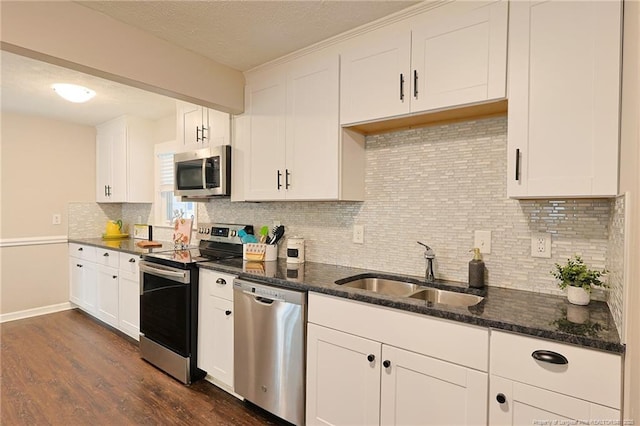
(45, 164)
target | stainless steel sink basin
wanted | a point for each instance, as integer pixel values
(396, 288)
(382, 286)
(446, 297)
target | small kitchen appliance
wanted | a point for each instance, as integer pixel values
(169, 298)
(203, 173)
(295, 250)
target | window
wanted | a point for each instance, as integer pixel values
(167, 206)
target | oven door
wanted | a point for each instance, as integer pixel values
(165, 306)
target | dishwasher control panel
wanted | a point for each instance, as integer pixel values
(268, 292)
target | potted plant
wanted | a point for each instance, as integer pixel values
(578, 280)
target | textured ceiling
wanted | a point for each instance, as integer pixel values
(240, 34)
(244, 34)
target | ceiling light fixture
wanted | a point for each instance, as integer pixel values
(73, 92)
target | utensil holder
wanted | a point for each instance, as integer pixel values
(260, 252)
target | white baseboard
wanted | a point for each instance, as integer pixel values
(28, 313)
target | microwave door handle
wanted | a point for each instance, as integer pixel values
(204, 173)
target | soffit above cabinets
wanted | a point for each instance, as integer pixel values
(245, 34)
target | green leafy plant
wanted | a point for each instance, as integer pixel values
(575, 273)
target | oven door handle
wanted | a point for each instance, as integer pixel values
(169, 273)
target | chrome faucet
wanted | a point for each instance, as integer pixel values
(429, 255)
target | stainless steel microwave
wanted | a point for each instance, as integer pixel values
(203, 173)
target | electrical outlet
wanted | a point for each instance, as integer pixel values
(541, 245)
(57, 219)
(482, 240)
(358, 234)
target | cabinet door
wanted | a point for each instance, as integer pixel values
(189, 126)
(111, 161)
(129, 303)
(90, 288)
(343, 386)
(419, 390)
(221, 363)
(107, 279)
(374, 79)
(564, 86)
(75, 280)
(218, 127)
(312, 129)
(459, 55)
(514, 403)
(265, 171)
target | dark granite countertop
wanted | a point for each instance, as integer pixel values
(533, 314)
(127, 245)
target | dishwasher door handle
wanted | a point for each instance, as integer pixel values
(261, 299)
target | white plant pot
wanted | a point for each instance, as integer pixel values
(578, 295)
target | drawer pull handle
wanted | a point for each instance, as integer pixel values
(227, 313)
(80, 249)
(386, 363)
(501, 398)
(221, 281)
(550, 357)
(106, 255)
(371, 357)
(132, 260)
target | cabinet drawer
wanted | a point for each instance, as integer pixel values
(108, 258)
(82, 252)
(217, 284)
(129, 262)
(442, 339)
(588, 374)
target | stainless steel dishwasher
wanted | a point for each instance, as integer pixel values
(269, 348)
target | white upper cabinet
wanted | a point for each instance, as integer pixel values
(124, 161)
(564, 98)
(199, 127)
(450, 56)
(294, 146)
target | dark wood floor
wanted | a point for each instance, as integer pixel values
(68, 369)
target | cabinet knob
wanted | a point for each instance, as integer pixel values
(114, 276)
(78, 265)
(221, 281)
(371, 357)
(501, 398)
(80, 249)
(106, 255)
(386, 363)
(550, 357)
(227, 313)
(132, 260)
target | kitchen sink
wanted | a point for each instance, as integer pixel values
(397, 288)
(382, 286)
(446, 297)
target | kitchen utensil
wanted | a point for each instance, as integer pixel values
(246, 238)
(264, 234)
(114, 227)
(278, 232)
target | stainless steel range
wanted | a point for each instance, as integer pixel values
(169, 299)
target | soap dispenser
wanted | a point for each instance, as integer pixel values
(476, 270)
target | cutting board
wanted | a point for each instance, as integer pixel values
(148, 244)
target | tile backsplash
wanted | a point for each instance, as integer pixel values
(438, 185)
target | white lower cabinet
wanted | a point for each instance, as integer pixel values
(106, 284)
(564, 385)
(215, 327)
(129, 295)
(108, 295)
(378, 367)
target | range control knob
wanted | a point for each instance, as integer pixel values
(233, 233)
